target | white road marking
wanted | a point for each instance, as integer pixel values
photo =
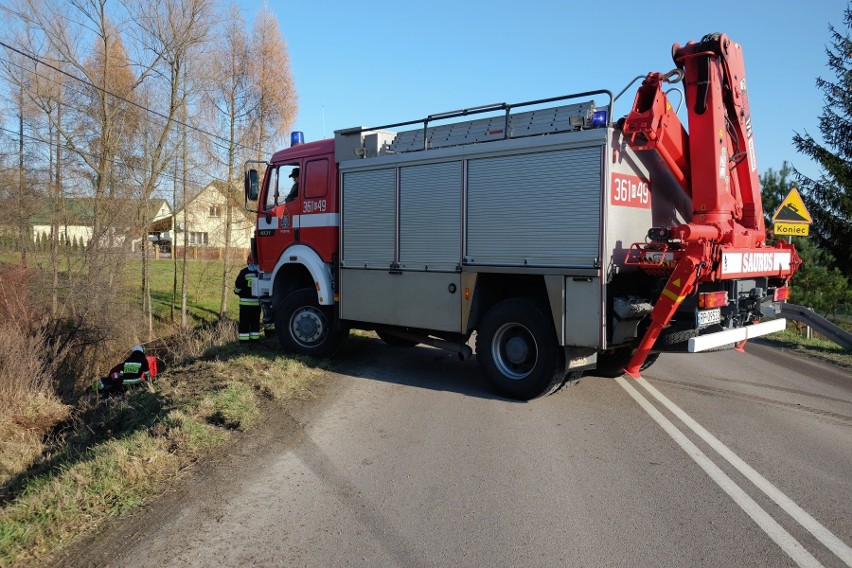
(771, 527)
(825, 536)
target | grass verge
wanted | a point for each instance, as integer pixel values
(817, 348)
(116, 452)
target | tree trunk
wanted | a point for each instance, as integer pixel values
(23, 218)
(148, 308)
(54, 217)
(174, 257)
(183, 285)
(223, 308)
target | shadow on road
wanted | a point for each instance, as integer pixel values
(420, 367)
(368, 357)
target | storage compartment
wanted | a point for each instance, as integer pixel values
(541, 209)
(427, 300)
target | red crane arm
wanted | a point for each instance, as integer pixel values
(716, 166)
(725, 180)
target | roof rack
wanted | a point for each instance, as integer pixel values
(507, 125)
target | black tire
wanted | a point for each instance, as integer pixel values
(611, 363)
(518, 351)
(395, 340)
(306, 328)
(675, 339)
(571, 379)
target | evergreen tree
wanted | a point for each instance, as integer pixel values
(818, 284)
(829, 199)
(825, 290)
(774, 187)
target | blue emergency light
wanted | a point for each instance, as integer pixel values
(599, 118)
(297, 138)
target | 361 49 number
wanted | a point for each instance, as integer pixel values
(315, 206)
(630, 191)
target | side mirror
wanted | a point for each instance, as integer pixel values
(251, 185)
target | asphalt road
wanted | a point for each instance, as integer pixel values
(744, 459)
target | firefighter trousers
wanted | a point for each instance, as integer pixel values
(249, 328)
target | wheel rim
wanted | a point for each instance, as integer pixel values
(514, 351)
(308, 326)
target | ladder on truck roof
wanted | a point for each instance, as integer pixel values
(538, 122)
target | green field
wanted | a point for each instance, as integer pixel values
(204, 284)
(204, 288)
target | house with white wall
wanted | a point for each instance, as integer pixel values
(118, 217)
(204, 220)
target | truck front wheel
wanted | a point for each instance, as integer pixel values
(518, 351)
(306, 328)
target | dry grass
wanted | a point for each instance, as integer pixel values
(64, 468)
(125, 449)
(28, 360)
(26, 365)
(278, 377)
(22, 431)
(184, 345)
(114, 478)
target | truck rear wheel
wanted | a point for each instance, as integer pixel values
(518, 351)
(306, 328)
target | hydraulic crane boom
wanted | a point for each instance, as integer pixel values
(722, 140)
(716, 166)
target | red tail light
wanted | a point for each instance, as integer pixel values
(709, 300)
(781, 294)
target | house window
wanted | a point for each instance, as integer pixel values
(215, 211)
(198, 239)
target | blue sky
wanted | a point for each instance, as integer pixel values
(372, 63)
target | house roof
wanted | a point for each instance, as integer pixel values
(234, 196)
(80, 210)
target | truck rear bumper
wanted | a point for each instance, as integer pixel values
(713, 340)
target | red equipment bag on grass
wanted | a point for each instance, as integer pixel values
(152, 366)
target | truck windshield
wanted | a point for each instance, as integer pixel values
(272, 190)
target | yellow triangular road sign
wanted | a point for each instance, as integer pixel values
(792, 209)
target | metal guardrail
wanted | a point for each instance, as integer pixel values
(835, 333)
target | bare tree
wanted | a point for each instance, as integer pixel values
(172, 28)
(230, 101)
(275, 91)
(184, 284)
(18, 73)
(22, 228)
(44, 90)
(252, 97)
(85, 44)
(94, 98)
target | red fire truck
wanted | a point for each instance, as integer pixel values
(561, 240)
